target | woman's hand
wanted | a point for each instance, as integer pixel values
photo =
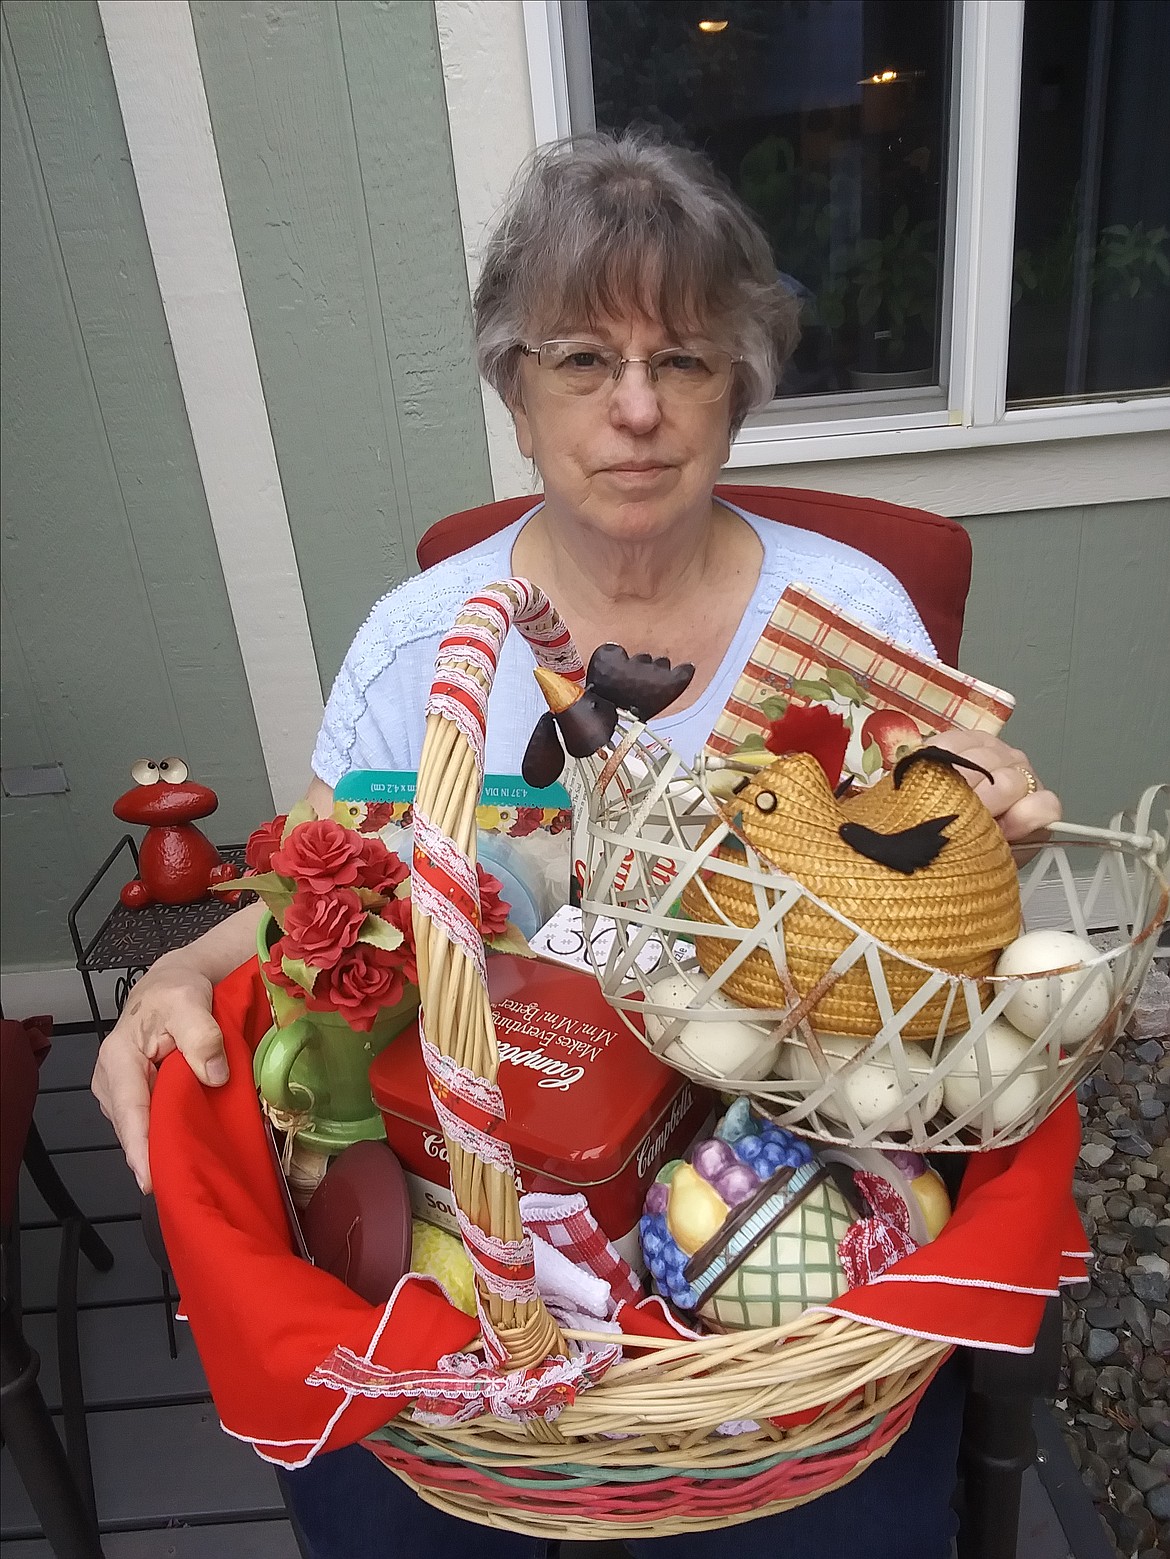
(168, 1009)
(1014, 796)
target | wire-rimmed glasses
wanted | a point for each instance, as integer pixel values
(583, 367)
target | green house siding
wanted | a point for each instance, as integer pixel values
(118, 638)
(1068, 610)
(331, 129)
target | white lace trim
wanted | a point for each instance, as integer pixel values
(430, 841)
(429, 901)
(488, 1149)
(447, 705)
(489, 1254)
(461, 1082)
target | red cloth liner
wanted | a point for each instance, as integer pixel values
(264, 1320)
(1014, 1238)
(262, 1317)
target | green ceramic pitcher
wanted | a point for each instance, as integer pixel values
(314, 1063)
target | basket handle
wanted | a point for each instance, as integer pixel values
(455, 1025)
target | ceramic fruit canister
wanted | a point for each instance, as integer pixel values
(745, 1233)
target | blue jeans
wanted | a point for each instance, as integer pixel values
(348, 1506)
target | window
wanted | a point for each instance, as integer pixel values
(1091, 278)
(970, 199)
(830, 121)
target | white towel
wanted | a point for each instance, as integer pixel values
(566, 1286)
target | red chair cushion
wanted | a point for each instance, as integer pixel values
(23, 1046)
(930, 554)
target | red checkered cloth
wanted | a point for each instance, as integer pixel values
(872, 1245)
(298, 1363)
(565, 1223)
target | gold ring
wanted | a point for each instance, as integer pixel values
(1030, 780)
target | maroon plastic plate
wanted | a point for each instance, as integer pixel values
(357, 1222)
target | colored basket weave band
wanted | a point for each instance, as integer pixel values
(577, 1474)
(579, 1499)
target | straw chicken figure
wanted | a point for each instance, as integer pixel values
(916, 860)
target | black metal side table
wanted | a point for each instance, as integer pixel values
(131, 939)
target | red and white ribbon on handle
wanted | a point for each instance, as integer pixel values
(478, 636)
(445, 889)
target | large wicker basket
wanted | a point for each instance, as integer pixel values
(640, 1452)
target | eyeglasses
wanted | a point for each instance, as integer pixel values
(582, 367)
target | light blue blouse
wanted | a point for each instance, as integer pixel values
(375, 715)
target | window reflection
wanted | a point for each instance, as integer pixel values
(1091, 283)
(829, 117)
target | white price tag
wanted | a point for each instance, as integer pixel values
(563, 938)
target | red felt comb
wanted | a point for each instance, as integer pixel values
(814, 730)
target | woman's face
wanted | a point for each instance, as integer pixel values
(627, 460)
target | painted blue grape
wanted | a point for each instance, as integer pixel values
(673, 1257)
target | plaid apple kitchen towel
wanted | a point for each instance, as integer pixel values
(811, 652)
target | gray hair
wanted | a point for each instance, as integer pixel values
(600, 224)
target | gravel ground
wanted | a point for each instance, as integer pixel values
(1114, 1381)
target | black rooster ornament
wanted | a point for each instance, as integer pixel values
(585, 719)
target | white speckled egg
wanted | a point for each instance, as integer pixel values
(1005, 1048)
(721, 1047)
(872, 1088)
(1036, 1002)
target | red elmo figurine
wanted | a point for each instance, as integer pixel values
(177, 862)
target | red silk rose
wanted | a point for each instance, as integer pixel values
(493, 907)
(381, 869)
(273, 970)
(322, 926)
(321, 855)
(359, 986)
(262, 842)
(338, 896)
(397, 912)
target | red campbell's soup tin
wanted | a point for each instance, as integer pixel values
(589, 1108)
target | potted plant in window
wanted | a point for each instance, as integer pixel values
(891, 295)
(1131, 308)
(1128, 300)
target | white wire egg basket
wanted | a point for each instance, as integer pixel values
(646, 825)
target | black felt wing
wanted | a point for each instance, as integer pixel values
(907, 851)
(640, 683)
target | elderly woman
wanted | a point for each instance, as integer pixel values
(630, 316)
